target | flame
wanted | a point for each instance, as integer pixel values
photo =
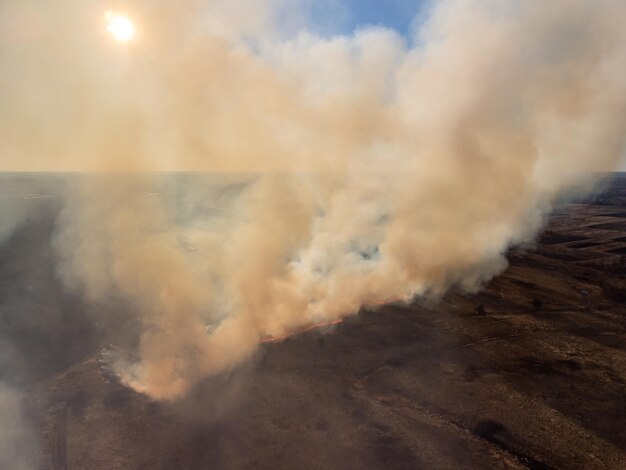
(279, 339)
(315, 326)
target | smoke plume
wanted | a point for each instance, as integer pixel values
(317, 175)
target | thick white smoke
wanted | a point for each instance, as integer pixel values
(372, 171)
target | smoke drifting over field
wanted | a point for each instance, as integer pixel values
(18, 449)
(367, 170)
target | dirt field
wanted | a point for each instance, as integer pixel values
(529, 373)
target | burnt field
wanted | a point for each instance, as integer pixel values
(528, 373)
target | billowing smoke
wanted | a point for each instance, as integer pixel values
(324, 174)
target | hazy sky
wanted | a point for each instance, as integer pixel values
(332, 16)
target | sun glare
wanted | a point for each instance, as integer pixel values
(120, 26)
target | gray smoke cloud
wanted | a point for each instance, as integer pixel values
(348, 171)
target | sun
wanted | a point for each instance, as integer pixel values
(120, 26)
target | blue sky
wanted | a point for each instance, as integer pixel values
(344, 16)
